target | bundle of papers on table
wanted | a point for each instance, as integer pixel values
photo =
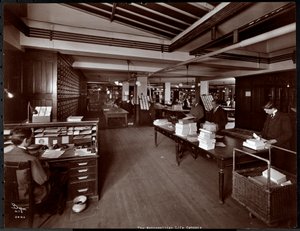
(185, 129)
(210, 126)
(206, 139)
(254, 144)
(159, 122)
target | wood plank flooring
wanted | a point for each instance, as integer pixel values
(142, 186)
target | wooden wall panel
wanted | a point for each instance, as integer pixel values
(280, 86)
(40, 79)
(14, 109)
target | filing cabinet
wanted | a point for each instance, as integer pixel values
(83, 175)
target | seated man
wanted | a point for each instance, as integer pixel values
(21, 138)
(49, 189)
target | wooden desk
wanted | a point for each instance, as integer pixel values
(222, 155)
(82, 172)
(115, 113)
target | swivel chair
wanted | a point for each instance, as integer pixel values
(18, 194)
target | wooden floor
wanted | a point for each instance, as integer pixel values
(142, 186)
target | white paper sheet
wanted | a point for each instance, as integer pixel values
(52, 153)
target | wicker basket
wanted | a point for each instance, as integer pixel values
(269, 203)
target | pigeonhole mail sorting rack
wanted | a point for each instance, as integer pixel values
(269, 202)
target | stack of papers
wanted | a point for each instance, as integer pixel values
(275, 176)
(184, 129)
(207, 139)
(83, 152)
(52, 153)
(254, 144)
(74, 118)
(210, 126)
(159, 122)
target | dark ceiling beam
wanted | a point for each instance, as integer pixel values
(229, 11)
(113, 12)
(270, 21)
(11, 19)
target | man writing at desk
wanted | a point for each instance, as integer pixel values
(47, 190)
(21, 138)
(277, 128)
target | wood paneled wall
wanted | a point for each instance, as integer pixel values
(252, 92)
(40, 79)
(33, 77)
(13, 108)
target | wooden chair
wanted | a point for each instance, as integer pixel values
(18, 194)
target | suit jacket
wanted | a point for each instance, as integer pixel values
(218, 117)
(38, 173)
(279, 128)
(197, 111)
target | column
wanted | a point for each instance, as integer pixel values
(167, 90)
(125, 91)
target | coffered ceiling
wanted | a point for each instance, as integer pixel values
(167, 42)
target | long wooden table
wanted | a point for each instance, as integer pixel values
(222, 155)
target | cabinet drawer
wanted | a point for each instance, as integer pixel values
(82, 188)
(82, 177)
(82, 163)
(82, 171)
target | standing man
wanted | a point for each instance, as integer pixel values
(218, 115)
(277, 128)
(197, 111)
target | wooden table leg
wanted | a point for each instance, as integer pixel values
(126, 123)
(106, 120)
(177, 153)
(221, 185)
(155, 138)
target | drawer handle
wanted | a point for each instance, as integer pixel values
(83, 170)
(83, 163)
(82, 177)
(82, 190)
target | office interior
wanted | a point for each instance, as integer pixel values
(111, 70)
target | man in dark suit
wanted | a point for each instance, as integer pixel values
(277, 128)
(218, 115)
(49, 190)
(21, 138)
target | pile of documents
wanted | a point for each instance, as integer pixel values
(275, 176)
(74, 118)
(254, 144)
(209, 126)
(159, 122)
(207, 139)
(184, 129)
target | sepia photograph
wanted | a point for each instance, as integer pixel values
(149, 115)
